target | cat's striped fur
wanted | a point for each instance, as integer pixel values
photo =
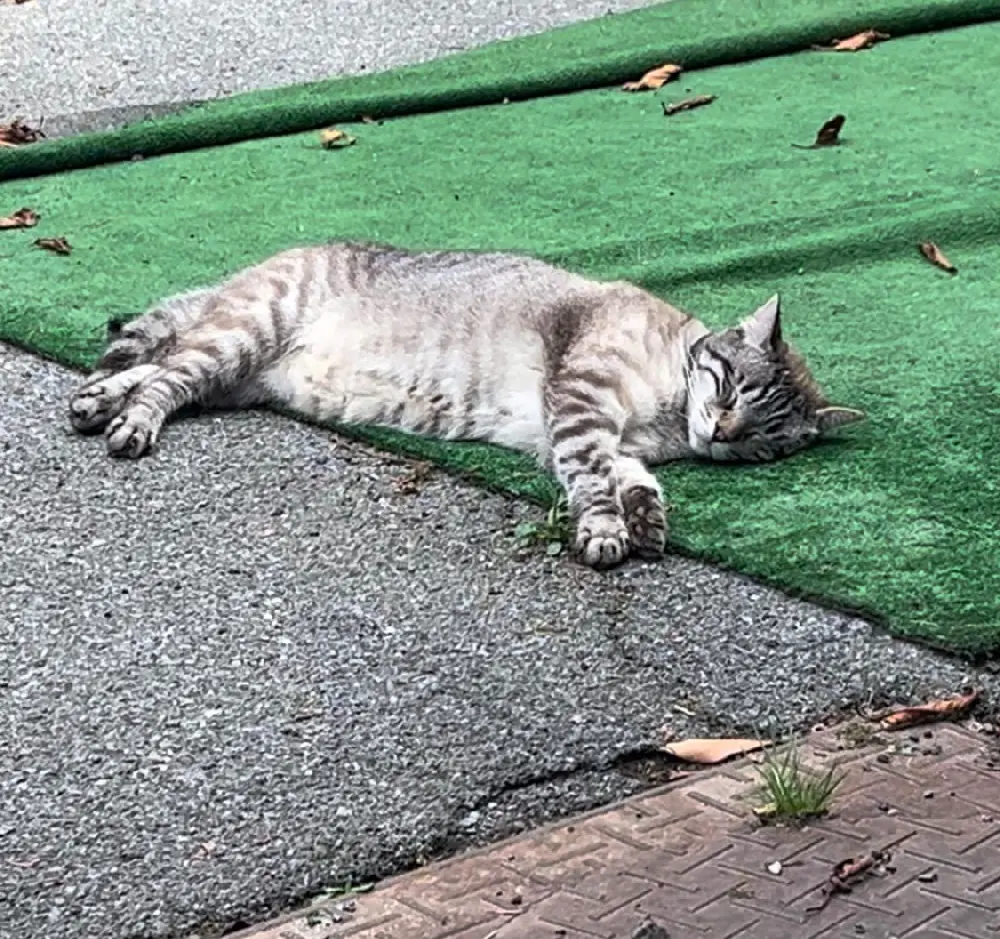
(596, 380)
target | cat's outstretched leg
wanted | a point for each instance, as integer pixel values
(642, 504)
(585, 423)
(133, 348)
(215, 361)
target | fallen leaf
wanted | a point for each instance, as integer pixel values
(17, 133)
(368, 119)
(848, 872)
(933, 254)
(412, 481)
(332, 138)
(653, 79)
(22, 218)
(699, 750)
(829, 134)
(56, 245)
(939, 709)
(857, 42)
(697, 102)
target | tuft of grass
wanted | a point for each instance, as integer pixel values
(554, 531)
(792, 792)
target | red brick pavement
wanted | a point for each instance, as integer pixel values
(691, 858)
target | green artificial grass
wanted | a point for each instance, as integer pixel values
(714, 209)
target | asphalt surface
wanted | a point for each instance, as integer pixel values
(266, 661)
(63, 57)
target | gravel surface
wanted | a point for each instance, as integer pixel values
(62, 57)
(266, 661)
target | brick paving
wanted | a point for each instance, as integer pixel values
(690, 861)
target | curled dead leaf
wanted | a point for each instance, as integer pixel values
(654, 78)
(857, 42)
(937, 710)
(55, 245)
(17, 133)
(698, 101)
(333, 138)
(848, 872)
(827, 136)
(22, 218)
(933, 254)
(708, 750)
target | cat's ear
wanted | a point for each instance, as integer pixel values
(763, 327)
(829, 417)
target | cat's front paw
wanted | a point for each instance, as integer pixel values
(646, 520)
(131, 434)
(602, 541)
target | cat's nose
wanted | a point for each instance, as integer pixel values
(719, 435)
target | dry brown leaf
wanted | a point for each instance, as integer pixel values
(17, 133)
(708, 750)
(933, 254)
(857, 42)
(848, 872)
(332, 138)
(411, 482)
(937, 710)
(22, 218)
(56, 245)
(696, 102)
(829, 134)
(654, 78)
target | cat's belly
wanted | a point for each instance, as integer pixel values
(452, 401)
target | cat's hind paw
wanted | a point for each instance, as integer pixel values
(93, 404)
(132, 434)
(103, 395)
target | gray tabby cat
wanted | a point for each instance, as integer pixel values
(596, 380)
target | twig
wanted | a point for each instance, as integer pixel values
(696, 102)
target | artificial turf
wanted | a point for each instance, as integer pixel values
(714, 209)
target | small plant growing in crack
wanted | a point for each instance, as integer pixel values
(554, 531)
(792, 792)
(347, 890)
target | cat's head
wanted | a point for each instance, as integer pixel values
(751, 397)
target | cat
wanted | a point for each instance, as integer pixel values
(596, 380)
